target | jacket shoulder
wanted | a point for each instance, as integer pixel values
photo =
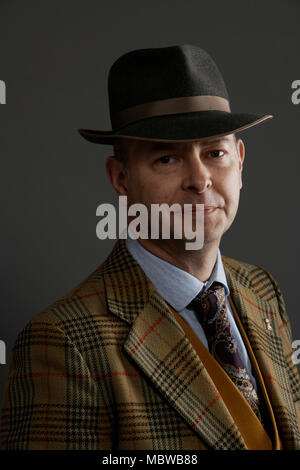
(254, 277)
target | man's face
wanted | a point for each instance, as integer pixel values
(204, 172)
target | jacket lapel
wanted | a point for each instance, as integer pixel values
(160, 348)
(261, 321)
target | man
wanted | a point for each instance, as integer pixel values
(162, 347)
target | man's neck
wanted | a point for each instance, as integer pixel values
(199, 263)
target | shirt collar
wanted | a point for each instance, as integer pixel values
(175, 285)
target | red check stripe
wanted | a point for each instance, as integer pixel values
(270, 377)
(150, 329)
(83, 296)
(252, 303)
(209, 406)
(283, 324)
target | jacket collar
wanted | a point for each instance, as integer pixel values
(158, 346)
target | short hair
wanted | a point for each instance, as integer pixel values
(121, 150)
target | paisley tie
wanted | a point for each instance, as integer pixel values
(212, 313)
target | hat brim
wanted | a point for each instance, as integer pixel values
(183, 127)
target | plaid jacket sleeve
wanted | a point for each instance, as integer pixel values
(51, 400)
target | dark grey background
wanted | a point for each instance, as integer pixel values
(55, 57)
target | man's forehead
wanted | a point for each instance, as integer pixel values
(202, 142)
(157, 146)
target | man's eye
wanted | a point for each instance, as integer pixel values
(165, 159)
(216, 153)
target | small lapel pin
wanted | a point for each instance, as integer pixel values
(268, 324)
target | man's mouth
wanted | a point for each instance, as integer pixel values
(203, 208)
(194, 209)
(210, 208)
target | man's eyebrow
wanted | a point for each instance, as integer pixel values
(215, 141)
(161, 146)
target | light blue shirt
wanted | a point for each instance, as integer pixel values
(179, 288)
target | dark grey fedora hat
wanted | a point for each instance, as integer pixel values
(174, 93)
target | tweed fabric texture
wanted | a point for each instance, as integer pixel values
(107, 366)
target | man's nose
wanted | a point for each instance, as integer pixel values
(197, 176)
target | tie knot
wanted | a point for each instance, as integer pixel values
(207, 303)
(215, 289)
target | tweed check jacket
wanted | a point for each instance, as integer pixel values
(107, 366)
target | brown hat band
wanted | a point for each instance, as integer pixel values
(184, 104)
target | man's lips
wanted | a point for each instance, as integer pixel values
(204, 207)
(210, 208)
(189, 208)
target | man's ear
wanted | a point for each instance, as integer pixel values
(241, 155)
(117, 175)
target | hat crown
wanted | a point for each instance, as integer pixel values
(147, 75)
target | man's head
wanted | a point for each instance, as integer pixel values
(203, 172)
(175, 94)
